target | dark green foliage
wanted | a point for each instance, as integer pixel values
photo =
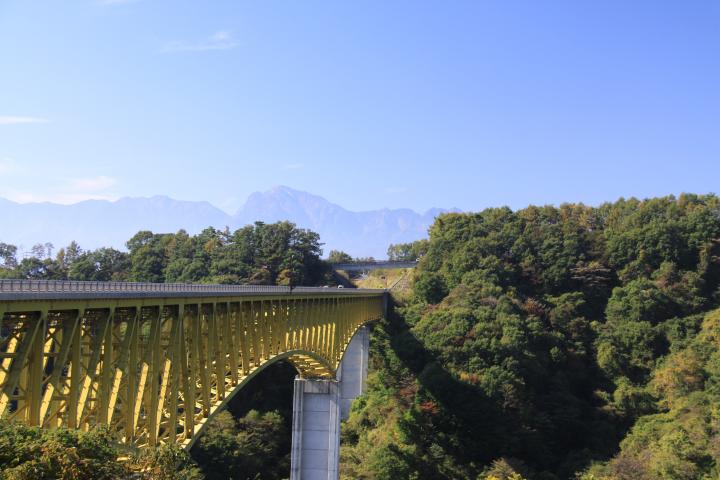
(147, 256)
(545, 335)
(167, 462)
(267, 254)
(430, 287)
(34, 454)
(252, 447)
(103, 264)
(31, 453)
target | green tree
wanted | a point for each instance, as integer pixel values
(430, 287)
(147, 256)
(8, 255)
(404, 252)
(29, 453)
(103, 264)
(338, 256)
(246, 448)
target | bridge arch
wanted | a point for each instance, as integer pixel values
(306, 363)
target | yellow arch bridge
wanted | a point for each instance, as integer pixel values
(155, 361)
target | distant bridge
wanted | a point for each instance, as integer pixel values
(367, 266)
(155, 361)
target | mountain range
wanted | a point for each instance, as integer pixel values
(102, 223)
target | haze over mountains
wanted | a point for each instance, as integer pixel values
(98, 223)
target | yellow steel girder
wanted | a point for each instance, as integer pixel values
(156, 369)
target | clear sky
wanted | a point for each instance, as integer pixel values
(368, 103)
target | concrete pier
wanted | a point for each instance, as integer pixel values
(353, 370)
(316, 430)
(318, 407)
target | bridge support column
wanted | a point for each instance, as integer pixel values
(318, 407)
(353, 370)
(315, 451)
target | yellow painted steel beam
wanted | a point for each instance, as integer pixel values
(155, 369)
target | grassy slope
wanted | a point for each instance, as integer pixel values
(400, 279)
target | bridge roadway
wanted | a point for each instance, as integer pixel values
(378, 265)
(155, 361)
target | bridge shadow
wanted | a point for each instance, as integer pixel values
(457, 416)
(270, 391)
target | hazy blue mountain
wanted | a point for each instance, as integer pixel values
(96, 223)
(358, 233)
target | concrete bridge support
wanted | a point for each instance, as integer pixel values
(318, 407)
(353, 370)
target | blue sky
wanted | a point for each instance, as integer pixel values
(370, 104)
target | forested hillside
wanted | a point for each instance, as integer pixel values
(550, 343)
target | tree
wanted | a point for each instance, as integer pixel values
(32, 268)
(407, 252)
(8, 255)
(38, 251)
(167, 462)
(245, 448)
(430, 287)
(31, 453)
(49, 249)
(147, 257)
(104, 264)
(72, 253)
(338, 256)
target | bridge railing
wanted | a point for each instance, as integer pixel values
(72, 286)
(18, 289)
